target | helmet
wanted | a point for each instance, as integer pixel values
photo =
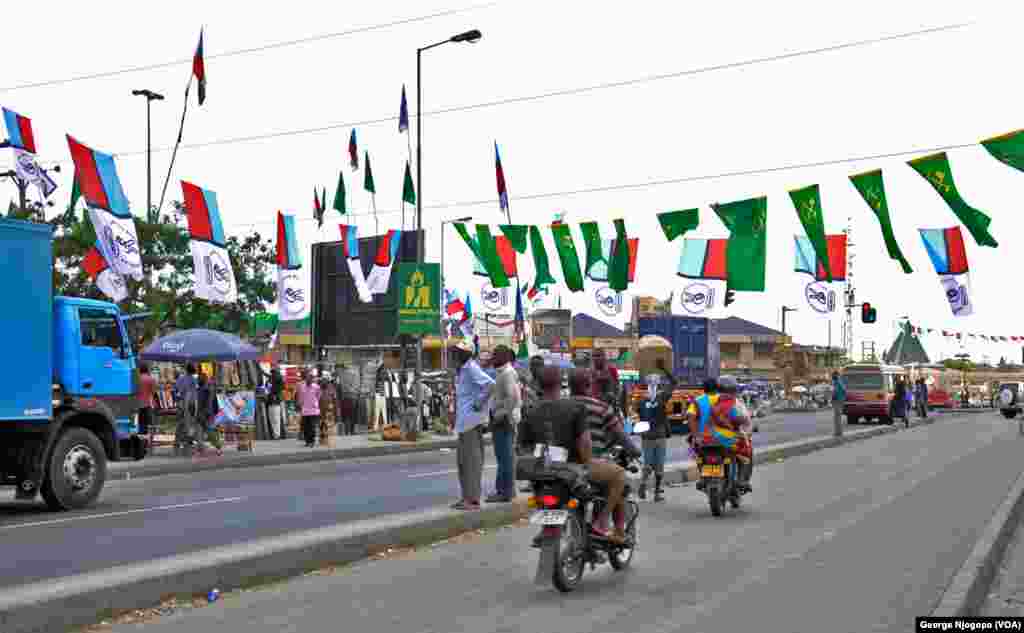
(728, 384)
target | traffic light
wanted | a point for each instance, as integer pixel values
(730, 296)
(867, 313)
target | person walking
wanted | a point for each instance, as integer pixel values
(899, 401)
(838, 400)
(147, 399)
(922, 398)
(275, 403)
(506, 412)
(328, 409)
(308, 398)
(655, 441)
(185, 388)
(472, 392)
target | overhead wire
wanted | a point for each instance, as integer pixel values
(247, 51)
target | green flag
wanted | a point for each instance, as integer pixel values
(339, 194)
(1008, 149)
(618, 274)
(872, 189)
(568, 256)
(489, 256)
(470, 241)
(76, 192)
(808, 208)
(540, 259)
(368, 179)
(747, 248)
(935, 169)
(675, 223)
(516, 234)
(593, 248)
(408, 191)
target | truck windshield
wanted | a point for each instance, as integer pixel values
(865, 382)
(100, 329)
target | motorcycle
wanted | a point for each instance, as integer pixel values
(565, 507)
(719, 477)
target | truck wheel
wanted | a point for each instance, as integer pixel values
(76, 472)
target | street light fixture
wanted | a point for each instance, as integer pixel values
(470, 37)
(150, 97)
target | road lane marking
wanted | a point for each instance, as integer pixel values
(121, 513)
(453, 471)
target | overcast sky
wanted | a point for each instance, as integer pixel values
(929, 91)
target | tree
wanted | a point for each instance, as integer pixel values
(958, 364)
(166, 289)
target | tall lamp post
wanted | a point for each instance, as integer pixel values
(471, 37)
(150, 97)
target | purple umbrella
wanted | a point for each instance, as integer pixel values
(189, 346)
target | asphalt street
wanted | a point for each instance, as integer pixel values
(857, 538)
(139, 520)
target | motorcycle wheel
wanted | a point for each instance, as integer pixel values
(569, 561)
(622, 557)
(734, 499)
(714, 491)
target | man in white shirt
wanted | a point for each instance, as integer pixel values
(506, 412)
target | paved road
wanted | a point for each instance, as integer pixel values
(142, 519)
(853, 539)
(1006, 598)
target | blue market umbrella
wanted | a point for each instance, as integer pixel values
(188, 346)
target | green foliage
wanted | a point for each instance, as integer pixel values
(166, 289)
(959, 365)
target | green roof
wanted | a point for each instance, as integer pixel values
(906, 349)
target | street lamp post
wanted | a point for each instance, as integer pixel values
(150, 97)
(786, 309)
(471, 37)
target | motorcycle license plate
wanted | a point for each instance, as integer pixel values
(714, 470)
(549, 517)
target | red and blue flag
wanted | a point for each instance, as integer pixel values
(353, 151)
(403, 113)
(946, 249)
(703, 259)
(500, 174)
(387, 250)
(288, 255)
(19, 131)
(808, 262)
(204, 221)
(97, 177)
(349, 240)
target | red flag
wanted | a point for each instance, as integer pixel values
(199, 69)
(94, 263)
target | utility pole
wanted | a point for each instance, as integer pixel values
(850, 292)
(150, 97)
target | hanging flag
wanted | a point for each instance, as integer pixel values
(19, 131)
(949, 258)
(505, 253)
(368, 178)
(108, 209)
(214, 276)
(489, 257)
(936, 170)
(541, 265)
(28, 170)
(108, 281)
(747, 223)
(568, 256)
(871, 187)
(339, 194)
(620, 260)
(516, 234)
(293, 288)
(408, 190)
(815, 288)
(676, 223)
(353, 151)
(387, 253)
(1007, 149)
(350, 250)
(703, 261)
(807, 202)
(500, 174)
(596, 262)
(452, 303)
(403, 114)
(199, 69)
(318, 210)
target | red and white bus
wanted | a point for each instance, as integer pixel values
(942, 383)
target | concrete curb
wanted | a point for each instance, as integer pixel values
(186, 466)
(970, 586)
(60, 604)
(86, 598)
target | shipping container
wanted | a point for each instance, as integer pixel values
(694, 345)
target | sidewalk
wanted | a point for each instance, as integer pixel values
(862, 537)
(276, 452)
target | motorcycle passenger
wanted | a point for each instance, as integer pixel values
(566, 417)
(699, 414)
(605, 433)
(655, 441)
(731, 413)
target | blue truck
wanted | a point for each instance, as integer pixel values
(68, 386)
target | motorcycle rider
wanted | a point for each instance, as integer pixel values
(605, 432)
(731, 413)
(699, 414)
(655, 441)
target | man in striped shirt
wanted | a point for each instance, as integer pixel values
(605, 432)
